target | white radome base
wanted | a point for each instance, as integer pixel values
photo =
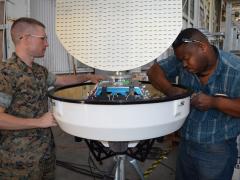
(131, 122)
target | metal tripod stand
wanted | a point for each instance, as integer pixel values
(120, 167)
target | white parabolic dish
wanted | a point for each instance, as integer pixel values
(117, 121)
(117, 35)
(121, 122)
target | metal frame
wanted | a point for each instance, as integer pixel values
(121, 154)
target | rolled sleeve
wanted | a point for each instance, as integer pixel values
(170, 66)
(5, 100)
(51, 79)
(235, 86)
(5, 89)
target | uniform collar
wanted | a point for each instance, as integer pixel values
(20, 62)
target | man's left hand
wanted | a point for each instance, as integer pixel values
(202, 101)
(95, 78)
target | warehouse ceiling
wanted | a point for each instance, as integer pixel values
(236, 2)
(236, 5)
(236, 10)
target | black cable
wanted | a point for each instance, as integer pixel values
(105, 174)
(77, 169)
(89, 158)
(74, 164)
(168, 167)
(154, 154)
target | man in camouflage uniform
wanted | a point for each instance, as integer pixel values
(26, 141)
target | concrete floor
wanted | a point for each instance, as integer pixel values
(73, 160)
(75, 155)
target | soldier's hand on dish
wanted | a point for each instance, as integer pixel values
(202, 101)
(96, 78)
(174, 91)
(47, 120)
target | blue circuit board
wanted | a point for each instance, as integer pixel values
(124, 91)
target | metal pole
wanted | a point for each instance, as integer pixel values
(137, 168)
(120, 169)
(196, 21)
(227, 46)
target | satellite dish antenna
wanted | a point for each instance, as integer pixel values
(117, 35)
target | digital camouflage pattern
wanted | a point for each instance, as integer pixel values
(25, 154)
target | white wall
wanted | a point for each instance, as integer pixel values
(14, 10)
(56, 57)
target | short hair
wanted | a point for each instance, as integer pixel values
(191, 34)
(22, 25)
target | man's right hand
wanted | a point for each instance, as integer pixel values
(174, 91)
(47, 120)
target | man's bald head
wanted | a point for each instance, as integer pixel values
(24, 26)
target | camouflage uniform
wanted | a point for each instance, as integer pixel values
(25, 154)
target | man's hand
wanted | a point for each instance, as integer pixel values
(47, 120)
(202, 101)
(95, 78)
(159, 80)
(10, 122)
(64, 80)
(174, 91)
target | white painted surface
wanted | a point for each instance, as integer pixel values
(56, 58)
(121, 122)
(14, 10)
(117, 35)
